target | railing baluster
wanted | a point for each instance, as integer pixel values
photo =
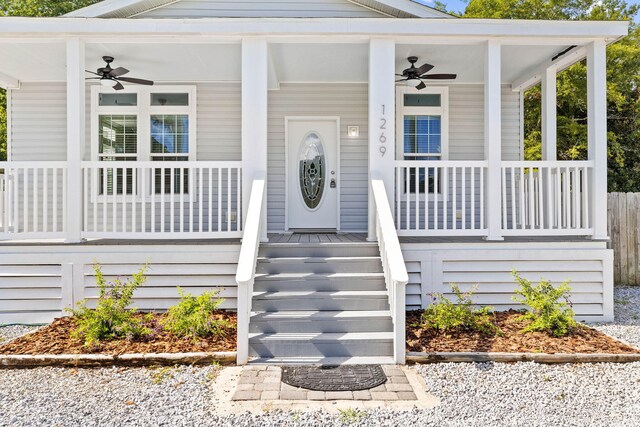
(398, 197)
(200, 199)
(472, 191)
(238, 199)
(143, 200)
(504, 198)
(134, 201)
(172, 198)
(436, 172)
(417, 172)
(426, 198)
(445, 198)
(454, 209)
(464, 197)
(219, 210)
(228, 201)
(585, 192)
(210, 200)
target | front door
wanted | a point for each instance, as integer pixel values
(312, 173)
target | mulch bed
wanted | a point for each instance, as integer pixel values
(56, 339)
(582, 340)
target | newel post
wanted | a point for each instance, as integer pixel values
(493, 139)
(75, 138)
(255, 68)
(597, 131)
(382, 92)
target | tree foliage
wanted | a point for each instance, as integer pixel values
(30, 8)
(623, 79)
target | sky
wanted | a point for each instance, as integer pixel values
(459, 5)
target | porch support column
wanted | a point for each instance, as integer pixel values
(493, 139)
(382, 146)
(549, 121)
(597, 129)
(255, 66)
(75, 138)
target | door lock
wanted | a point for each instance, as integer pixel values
(332, 184)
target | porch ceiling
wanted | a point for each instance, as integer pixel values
(295, 62)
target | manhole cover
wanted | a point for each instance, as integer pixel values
(334, 378)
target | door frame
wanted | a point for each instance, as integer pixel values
(288, 119)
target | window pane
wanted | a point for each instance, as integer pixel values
(117, 134)
(170, 99)
(422, 134)
(422, 100)
(170, 134)
(118, 99)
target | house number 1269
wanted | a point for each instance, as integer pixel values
(383, 138)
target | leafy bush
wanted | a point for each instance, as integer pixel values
(194, 316)
(443, 314)
(111, 318)
(550, 309)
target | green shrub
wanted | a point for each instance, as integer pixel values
(111, 318)
(443, 314)
(194, 316)
(549, 308)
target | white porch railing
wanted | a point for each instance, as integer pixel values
(395, 270)
(32, 199)
(546, 198)
(162, 199)
(440, 198)
(245, 274)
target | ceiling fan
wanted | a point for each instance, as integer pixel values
(112, 77)
(418, 74)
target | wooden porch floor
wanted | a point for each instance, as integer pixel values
(288, 238)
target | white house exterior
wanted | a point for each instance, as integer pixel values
(199, 174)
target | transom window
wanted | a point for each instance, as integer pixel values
(148, 124)
(422, 126)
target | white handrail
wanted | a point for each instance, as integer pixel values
(395, 270)
(245, 274)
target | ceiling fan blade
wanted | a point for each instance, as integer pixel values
(91, 72)
(421, 86)
(423, 69)
(118, 86)
(401, 80)
(120, 71)
(136, 81)
(439, 76)
(93, 78)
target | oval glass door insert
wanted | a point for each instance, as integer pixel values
(311, 170)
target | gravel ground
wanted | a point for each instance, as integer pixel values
(627, 316)
(486, 394)
(7, 333)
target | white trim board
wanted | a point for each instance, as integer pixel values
(131, 8)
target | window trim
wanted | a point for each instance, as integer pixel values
(442, 111)
(143, 112)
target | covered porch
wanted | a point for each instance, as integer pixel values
(468, 179)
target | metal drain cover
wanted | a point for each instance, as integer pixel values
(334, 378)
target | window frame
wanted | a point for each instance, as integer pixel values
(143, 112)
(442, 111)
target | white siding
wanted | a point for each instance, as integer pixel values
(219, 131)
(38, 282)
(488, 267)
(349, 101)
(261, 9)
(39, 122)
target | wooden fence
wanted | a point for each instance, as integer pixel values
(624, 225)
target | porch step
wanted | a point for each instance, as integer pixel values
(279, 250)
(319, 282)
(323, 344)
(320, 303)
(321, 321)
(317, 300)
(319, 265)
(323, 361)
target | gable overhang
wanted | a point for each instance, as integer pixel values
(320, 28)
(132, 8)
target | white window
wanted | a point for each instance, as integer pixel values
(422, 126)
(147, 124)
